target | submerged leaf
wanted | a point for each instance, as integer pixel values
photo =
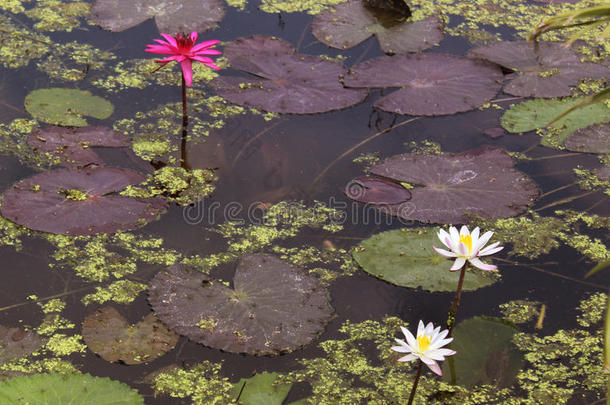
(66, 107)
(110, 336)
(78, 202)
(487, 354)
(348, 24)
(172, 17)
(72, 145)
(287, 82)
(545, 69)
(62, 389)
(430, 84)
(273, 308)
(451, 188)
(592, 139)
(15, 342)
(260, 389)
(405, 257)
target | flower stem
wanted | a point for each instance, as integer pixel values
(185, 123)
(456, 301)
(412, 396)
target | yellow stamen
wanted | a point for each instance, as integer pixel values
(467, 240)
(424, 342)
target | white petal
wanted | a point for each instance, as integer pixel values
(435, 368)
(439, 354)
(440, 336)
(401, 349)
(464, 231)
(459, 262)
(411, 341)
(427, 360)
(455, 236)
(483, 266)
(462, 250)
(475, 235)
(440, 343)
(444, 252)
(420, 328)
(429, 328)
(408, 357)
(481, 242)
(443, 236)
(491, 249)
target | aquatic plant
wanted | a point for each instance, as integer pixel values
(427, 347)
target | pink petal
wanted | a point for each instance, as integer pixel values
(483, 266)
(462, 249)
(166, 60)
(205, 45)
(208, 52)
(171, 40)
(187, 71)
(435, 368)
(458, 264)
(444, 252)
(163, 50)
(193, 36)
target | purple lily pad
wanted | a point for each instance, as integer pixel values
(348, 24)
(546, 69)
(592, 139)
(376, 190)
(108, 334)
(287, 82)
(78, 202)
(272, 307)
(495, 132)
(603, 173)
(15, 342)
(449, 188)
(172, 17)
(431, 84)
(72, 145)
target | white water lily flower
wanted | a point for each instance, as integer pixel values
(426, 346)
(464, 246)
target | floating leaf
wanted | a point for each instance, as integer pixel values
(110, 336)
(66, 106)
(376, 190)
(451, 188)
(545, 69)
(603, 173)
(534, 114)
(59, 389)
(592, 139)
(272, 308)
(15, 342)
(348, 24)
(486, 353)
(72, 145)
(260, 389)
(430, 84)
(172, 17)
(78, 202)
(287, 82)
(405, 257)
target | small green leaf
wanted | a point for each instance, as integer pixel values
(66, 107)
(260, 390)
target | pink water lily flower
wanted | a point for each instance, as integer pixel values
(464, 246)
(184, 51)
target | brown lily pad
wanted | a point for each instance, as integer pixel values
(430, 84)
(272, 307)
(592, 139)
(73, 145)
(544, 69)
(15, 342)
(110, 336)
(376, 190)
(286, 82)
(171, 16)
(348, 24)
(79, 202)
(451, 188)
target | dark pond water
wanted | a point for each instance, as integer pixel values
(284, 160)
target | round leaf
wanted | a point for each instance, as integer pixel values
(287, 82)
(59, 389)
(405, 257)
(376, 190)
(348, 24)
(77, 202)
(66, 106)
(486, 354)
(451, 188)
(15, 342)
(592, 139)
(272, 308)
(430, 84)
(110, 336)
(260, 389)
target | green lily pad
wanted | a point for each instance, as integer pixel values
(260, 390)
(15, 342)
(66, 107)
(110, 336)
(60, 389)
(486, 354)
(537, 113)
(405, 257)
